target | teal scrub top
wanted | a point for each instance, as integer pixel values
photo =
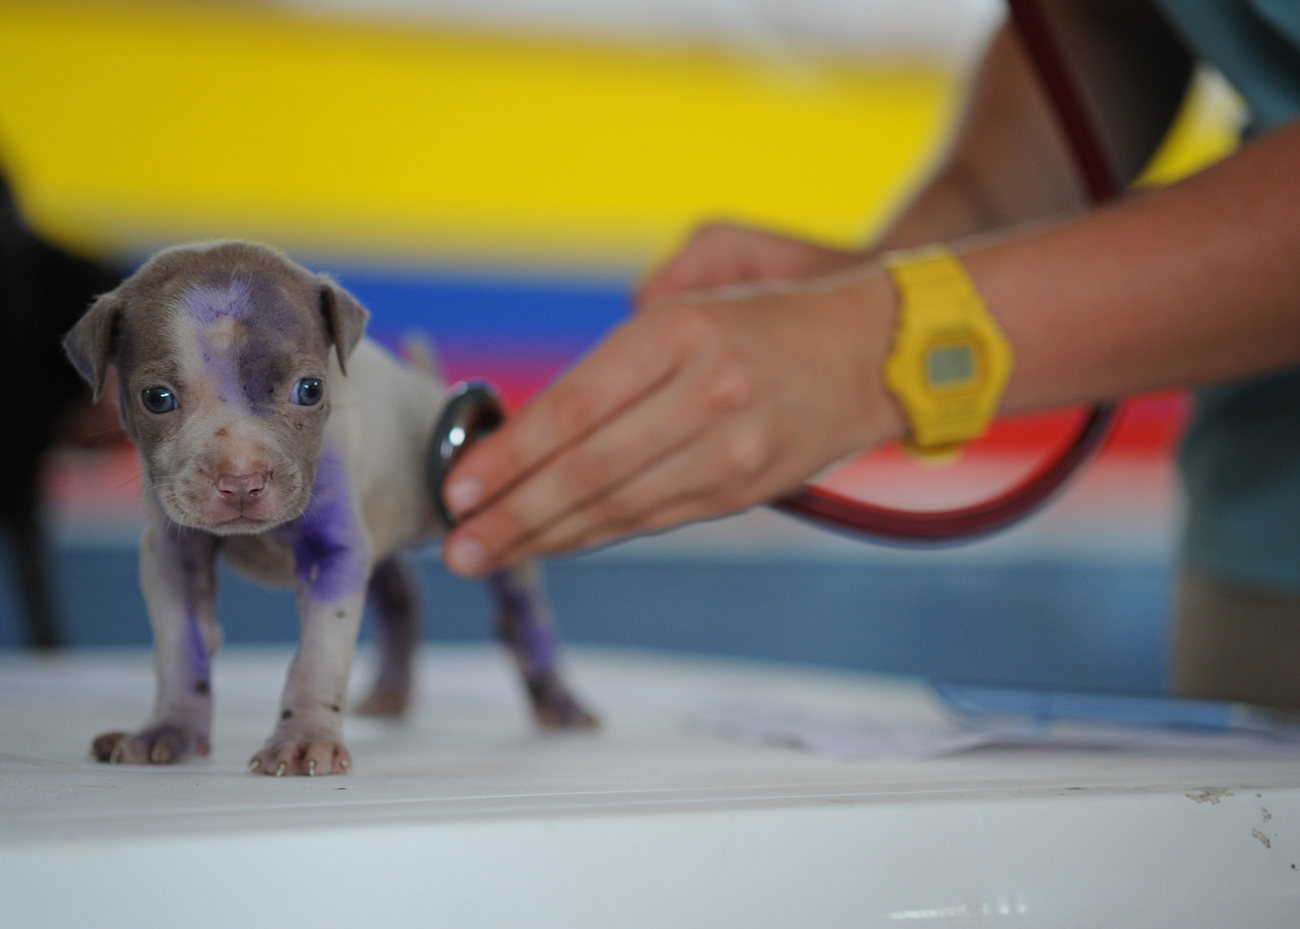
(1240, 457)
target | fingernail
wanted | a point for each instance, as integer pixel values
(465, 556)
(464, 494)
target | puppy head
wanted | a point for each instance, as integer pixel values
(223, 355)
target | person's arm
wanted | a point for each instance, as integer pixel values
(1195, 283)
(704, 404)
(707, 404)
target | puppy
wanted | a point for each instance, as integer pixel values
(272, 434)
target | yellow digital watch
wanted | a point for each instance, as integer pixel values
(950, 361)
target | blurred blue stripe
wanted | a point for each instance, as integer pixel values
(509, 308)
(1064, 626)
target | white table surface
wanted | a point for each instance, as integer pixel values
(465, 816)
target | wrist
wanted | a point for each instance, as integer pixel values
(871, 302)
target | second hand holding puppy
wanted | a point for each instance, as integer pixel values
(702, 404)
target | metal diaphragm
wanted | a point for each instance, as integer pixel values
(473, 410)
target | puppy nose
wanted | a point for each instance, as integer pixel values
(241, 488)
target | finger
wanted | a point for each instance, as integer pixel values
(718, 476)
(712, 256)
(633, 361)
(643, 434)
(686, 271)
(722, 254)
(676, 514)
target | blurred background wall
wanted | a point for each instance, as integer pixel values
(497, 174)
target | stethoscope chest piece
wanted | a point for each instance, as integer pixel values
(473, 410)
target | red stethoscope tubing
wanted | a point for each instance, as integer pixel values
(1014, 504)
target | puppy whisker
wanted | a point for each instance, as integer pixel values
(130, 480)
(105, 433)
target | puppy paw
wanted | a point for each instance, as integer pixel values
(308, 755)
(555, 708)
(386, 702)
(161, 743)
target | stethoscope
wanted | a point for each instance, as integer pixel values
(474, 409)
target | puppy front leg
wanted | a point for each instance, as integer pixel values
(308, 739)
(178, 576)
(333, 562)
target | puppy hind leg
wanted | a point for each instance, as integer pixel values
(393, 598)
(523, 626)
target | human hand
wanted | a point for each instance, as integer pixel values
(700, 405)
(722, 254)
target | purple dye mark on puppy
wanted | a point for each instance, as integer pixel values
(261, 370)
(326, 538)
(218, 297)
(275, 329)
(522, 625)
(254, 365)
(191, 555)
(209, 304)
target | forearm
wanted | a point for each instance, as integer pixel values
(1005, 165)
(1194, 283)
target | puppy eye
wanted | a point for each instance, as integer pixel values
(158, 400)
(308, 391)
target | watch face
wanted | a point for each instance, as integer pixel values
(950, 366)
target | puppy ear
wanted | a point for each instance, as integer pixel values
(92, 343)
(345, 318)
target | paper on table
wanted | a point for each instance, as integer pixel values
(874, 739)
(856, 738)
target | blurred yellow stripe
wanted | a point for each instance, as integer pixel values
(1207, 129)
(139, 123)
(128, 125)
